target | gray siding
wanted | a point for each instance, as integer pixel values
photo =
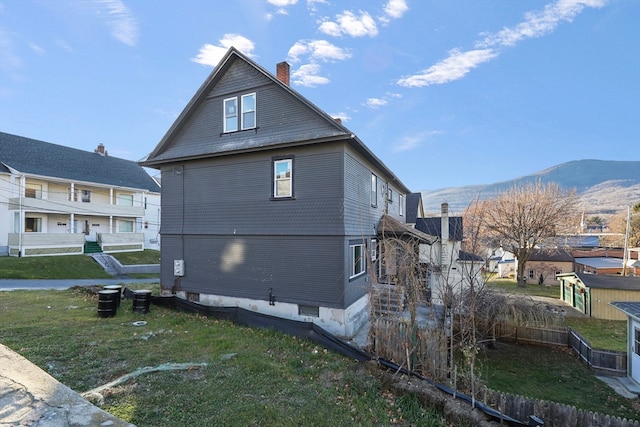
(299, 269)
(281, 118)
(232, 195)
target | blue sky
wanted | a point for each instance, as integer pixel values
(445, 93)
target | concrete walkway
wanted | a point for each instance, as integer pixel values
(31, 397)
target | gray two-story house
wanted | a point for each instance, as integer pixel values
(270, 204)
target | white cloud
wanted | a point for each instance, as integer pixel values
(36, 48)
(535, 24)
(408, 143)
(539, 23)
(350, 24)
(376, 102)
(122, 23)
(317, 50)
(308, 75)
(211, 55)
(9, 60)
(64, 45)
(282, 3)
(452, 68)
(342, 116)
(395, 8)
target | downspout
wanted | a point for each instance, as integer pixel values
(21, 186)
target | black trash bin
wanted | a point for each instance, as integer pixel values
(141, 301)
(107, 303)
(117, 288)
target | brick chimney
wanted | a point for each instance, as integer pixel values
(282, 72)
(100, 150)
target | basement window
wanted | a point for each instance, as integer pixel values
(309, 310)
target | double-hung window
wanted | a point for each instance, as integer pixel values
(240, 118)
(357, 260)
(374, 190)
(401, 204)
(283, 178)
(249, 111)
(85, 195)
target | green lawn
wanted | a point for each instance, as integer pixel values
(51, 267)
(148, 256)
(254, 376)
(555, 374)
(601, 334)
(510, 286)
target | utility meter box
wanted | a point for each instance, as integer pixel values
(178, 267)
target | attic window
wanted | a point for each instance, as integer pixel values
(246, 120)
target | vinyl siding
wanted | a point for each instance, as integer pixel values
(299, 269)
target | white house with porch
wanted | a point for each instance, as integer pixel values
(58, 200)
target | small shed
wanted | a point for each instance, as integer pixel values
(632, 310)
(592, 294)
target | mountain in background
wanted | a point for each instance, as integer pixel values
(605, 187)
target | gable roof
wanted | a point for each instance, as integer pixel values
(391, 227)
(630, 308)
(34, 157)
(558, 255)
(333, 130)
(604, 281)
(414, 207)
(433, 226)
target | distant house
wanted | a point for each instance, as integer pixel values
(61, 201)
(451, 268)
(598, 265)
(631, 309)
(269, 203)
(592, 294)
(544, 265)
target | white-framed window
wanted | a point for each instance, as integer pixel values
(246, 119)
(532, 273)
(357, 260)
(231, 114)
(390, 195)
(125, 226)
(636, 344)
(374, 250)
(33, 191)
(401, 204)
(249, 111)
(374, 190)
(32, 225)
(283, 178)
(125, 199)
(85, 196)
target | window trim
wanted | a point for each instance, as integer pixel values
(401, 202)
(353, 274)
(274, 179)
(85, 196)
(225, 116)
(374, 250)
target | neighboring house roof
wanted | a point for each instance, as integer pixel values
(162, 153)
(414, 200)
(469, 257)
(602, 281)
(33, 157)
(433, 226)
(600, 262)
(390, 226)
(630, 308)
(557, 255)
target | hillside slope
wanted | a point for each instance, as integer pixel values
(605, 186)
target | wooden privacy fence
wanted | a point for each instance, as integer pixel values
(606, 361)
(553, 414)
(603, 361)
(418, 349)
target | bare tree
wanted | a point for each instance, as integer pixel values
(525, 217)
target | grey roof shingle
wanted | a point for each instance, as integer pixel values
(631, 308)
(433, 226)
(31, 156)
(602, 281)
